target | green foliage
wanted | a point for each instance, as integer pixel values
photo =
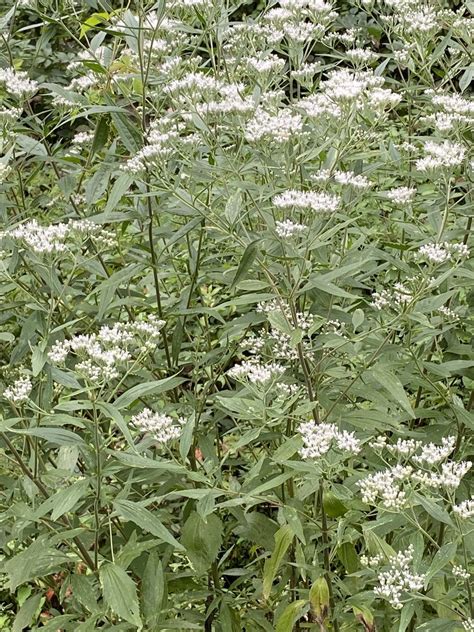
(237, 363)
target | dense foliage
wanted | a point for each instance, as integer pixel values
(237, 354)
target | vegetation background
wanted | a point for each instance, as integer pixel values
(236, 338)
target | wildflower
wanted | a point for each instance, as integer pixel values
(54, 238)
(17, 82)
(446, 311)
(432, 454)
(401, 195)
(465, 509)
(399, 578)
(450, 475)
(319, 437)
(349, 177)
(162, 427)
(319, 202)
(256, 372)
(386, 486)
(286, 228)
(441, 155)
(462, 573)
(468, 625)
(278, 128)
(19, 391)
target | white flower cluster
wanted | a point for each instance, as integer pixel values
(286, 228)
(447, 312)
(316, 201)
(468, 625)
(102, 354)
(204, 94)
(401, 195)
(399, 578)
(450, 475)
(17, 82)
(443, 155)
(439, 253)
(362, 55)
(454, 110)
(358, 181)
(57, 238)
(256, 372)
(465, 509)
(318, 438)
(19, 391)
(396, 298)
(386, 487)
(461, 572)
(165, 137)
(278, 127)
(163, 427)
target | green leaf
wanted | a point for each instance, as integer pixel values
(290, 615)
(444, 555)
(83, 591)
(147, 388)
(63, 500)
(120, 593)
(283, 538)
(249, 256)
(153, 590)
(37, 560)
(58, 436)
(233, 207)
(434, 510)
(394, 388)
(101, 134)
(28, 613)
(146, 520)
(202, 540)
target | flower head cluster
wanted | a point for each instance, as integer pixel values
(319, 438)
(278, 127)
(313, 200)
(461, 572)
(401, 195)
(399, 578)
(286, 228)
(439, 253)
(163, 427)
(256, 372)
(57, 238)
(101, 355)
(454, 110)
(468, 625)
(465, 509)
(19, 391)
(17, 82)
(396, 298)
(386, 487)
(443, 155)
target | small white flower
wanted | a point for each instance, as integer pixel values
(162, 427)
(319, 437)
(19, 391)
(465, 509)
(287, 228)
(445, 154)
(401, 195)
(461, 572)
(318, 202)
(399, 578)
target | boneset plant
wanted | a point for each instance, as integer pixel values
(237, 379)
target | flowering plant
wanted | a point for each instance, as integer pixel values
(237, 382)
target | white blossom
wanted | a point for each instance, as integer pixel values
(465, 509)
(163, 427)
(401, 195)
(445, 154)
(318, 438)
(316, 201)
(17, 82)
(256, 372)
(286, 228)
(19, 391)
(399, 578)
